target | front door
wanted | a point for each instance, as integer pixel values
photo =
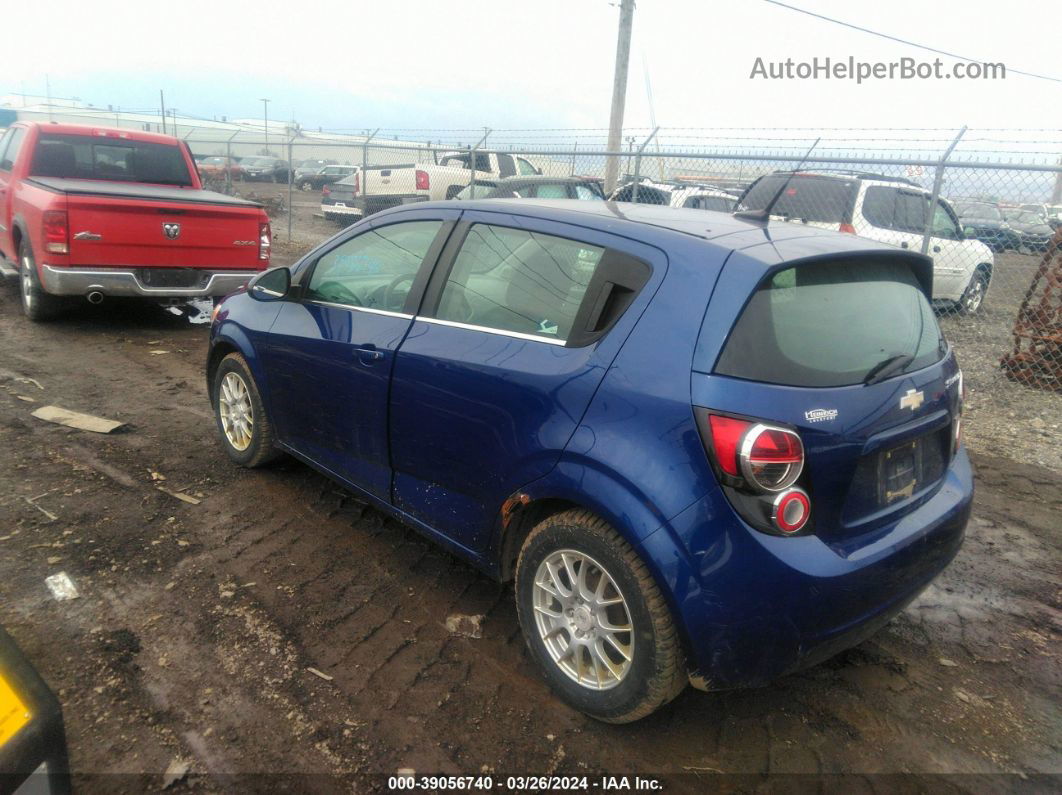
(329, 355)
(520, 321)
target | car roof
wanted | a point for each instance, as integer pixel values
(653, 223)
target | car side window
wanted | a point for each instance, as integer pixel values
(944, 225)
(4, 141)
(518, 281)
(506, 166)
(879, 207)
(550, 192)
(911, 211)
(13, 145)
(375, 269)
(525, 168)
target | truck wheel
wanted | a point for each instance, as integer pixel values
(595, 621)
(246, 431)
(37, 305)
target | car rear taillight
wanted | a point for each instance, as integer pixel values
(265, 241)
(423, 181)
(791, 511)
(56, 232)
(766, 457)
(326, 191)
(848, 229)
(759, 464)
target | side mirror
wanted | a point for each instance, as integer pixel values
(969, 232)
(272, 285)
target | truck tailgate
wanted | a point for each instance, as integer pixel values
(148, 226)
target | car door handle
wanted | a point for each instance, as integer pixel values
(936, 249)
(368, 354)
(903, 244)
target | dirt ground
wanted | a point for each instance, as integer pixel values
(197, 624)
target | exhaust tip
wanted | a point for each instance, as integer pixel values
(95, 297)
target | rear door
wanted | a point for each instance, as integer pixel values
(799, 354)
(521, 320)
(329, 355)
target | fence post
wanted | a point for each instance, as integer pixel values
(291, 181)
(228, 162)
(472, 162)
(938, 180)
(638, 164)
(365, 173)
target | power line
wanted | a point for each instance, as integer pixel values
(905, 41)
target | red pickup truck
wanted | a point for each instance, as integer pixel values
(96, 212)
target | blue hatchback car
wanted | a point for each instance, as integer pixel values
(707, 449)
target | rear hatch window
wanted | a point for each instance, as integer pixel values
(834, 323)
(815, 199)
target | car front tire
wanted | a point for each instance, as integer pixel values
(595, 620)
(245, 430)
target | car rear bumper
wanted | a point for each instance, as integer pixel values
(754, 607)
(137, 282)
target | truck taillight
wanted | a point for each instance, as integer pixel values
(357, 183)
(423, 180)
(56, 232)
(265, 241)
(759, 464)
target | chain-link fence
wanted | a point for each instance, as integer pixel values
(989, 226)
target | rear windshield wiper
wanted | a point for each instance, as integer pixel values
(887, 367)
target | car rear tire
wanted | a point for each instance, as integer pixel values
(595, 621)
(37, 305)
(973, 299)
(242, 422)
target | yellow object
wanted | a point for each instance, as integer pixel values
(13, 713)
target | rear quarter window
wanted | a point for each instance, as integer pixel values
(829, 324)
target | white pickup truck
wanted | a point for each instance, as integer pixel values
(380, 187)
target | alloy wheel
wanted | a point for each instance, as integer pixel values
(583, 619)
(237, 414)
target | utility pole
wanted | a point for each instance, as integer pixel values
(265, 122)
(162, 111)
(619, 92)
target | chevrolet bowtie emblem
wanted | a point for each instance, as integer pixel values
(912, 400)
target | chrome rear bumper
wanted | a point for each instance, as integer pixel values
(128, 282)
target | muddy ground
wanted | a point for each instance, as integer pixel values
(197, 624)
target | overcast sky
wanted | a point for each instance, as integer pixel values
(548, 63)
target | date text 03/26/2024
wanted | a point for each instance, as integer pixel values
(486, 783)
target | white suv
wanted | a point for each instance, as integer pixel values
(887, 209)
(699, 197)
